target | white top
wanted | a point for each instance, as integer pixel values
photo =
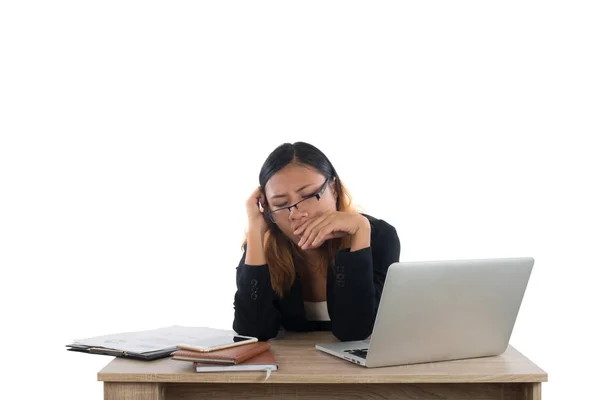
(316, 311)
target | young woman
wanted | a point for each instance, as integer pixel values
(310, 262)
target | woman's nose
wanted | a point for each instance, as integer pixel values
(296, 215)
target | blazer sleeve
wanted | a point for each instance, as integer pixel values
(359, 280)
(255, 313)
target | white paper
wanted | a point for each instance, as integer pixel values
(156, 339)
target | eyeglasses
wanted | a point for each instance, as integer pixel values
(308, 200)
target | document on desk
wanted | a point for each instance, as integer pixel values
(152, 340)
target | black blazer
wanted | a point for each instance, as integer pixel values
(354, 287)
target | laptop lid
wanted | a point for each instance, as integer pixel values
(444, 310)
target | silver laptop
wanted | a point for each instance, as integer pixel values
(442, 310)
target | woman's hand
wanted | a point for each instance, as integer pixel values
(256, 217)
(333, 224)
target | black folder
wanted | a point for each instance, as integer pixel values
(145, 356)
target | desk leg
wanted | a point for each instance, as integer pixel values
(533, 391)
(133, 391)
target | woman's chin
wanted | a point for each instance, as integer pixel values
(294, 238)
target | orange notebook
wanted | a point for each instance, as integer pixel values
(230, 356)
(264, 361)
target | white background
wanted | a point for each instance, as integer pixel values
(133, 132)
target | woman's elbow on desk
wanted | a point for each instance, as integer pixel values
(352, 333)
(255, 331)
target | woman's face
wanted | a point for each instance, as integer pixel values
(296, 183)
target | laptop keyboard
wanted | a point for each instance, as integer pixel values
(362, 353)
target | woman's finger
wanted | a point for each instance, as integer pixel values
(309, 227)
(323, 235)
(300, 228)
(314, 232)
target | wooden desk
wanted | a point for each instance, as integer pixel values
(307, 373)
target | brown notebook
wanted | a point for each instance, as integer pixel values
(264, 361)
(230, 356)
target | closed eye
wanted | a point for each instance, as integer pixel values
(285, 204)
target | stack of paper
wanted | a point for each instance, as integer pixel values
(146, 345)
